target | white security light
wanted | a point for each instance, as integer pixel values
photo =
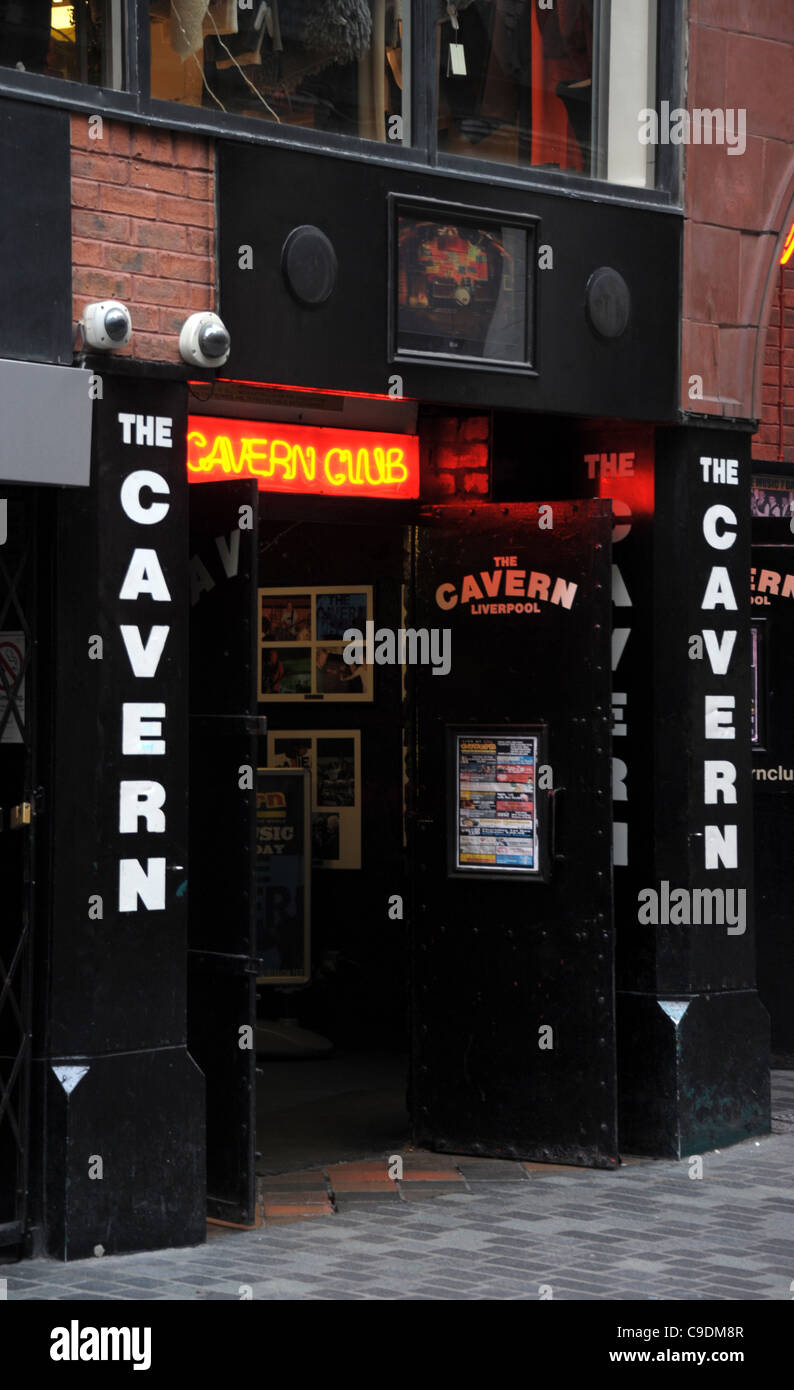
(205, 340)
(106, 325)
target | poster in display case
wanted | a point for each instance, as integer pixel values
(497, 813)
(282, 875)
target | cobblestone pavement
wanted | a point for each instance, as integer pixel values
(460, 1229)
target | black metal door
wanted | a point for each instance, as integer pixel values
(18, 803)
(513, 1048)
(224, 741)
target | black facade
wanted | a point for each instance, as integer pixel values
(592, 579)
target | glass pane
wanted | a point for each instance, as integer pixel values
(80, 41)
(521, 82)
(330, 65)
(462, 290)
(516, 82)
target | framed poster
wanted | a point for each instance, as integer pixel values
(332, 759)
(282, 877)
(462, 281)
(301, 647)
(497, 820)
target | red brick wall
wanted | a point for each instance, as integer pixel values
(454, 457)
(774, 441)
(738, 207)
(143, 229)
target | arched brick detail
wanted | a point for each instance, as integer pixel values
(768, 278)
(738, 207)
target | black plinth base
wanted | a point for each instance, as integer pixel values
(138, 1120)
(693, 1072)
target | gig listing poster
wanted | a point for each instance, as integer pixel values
(496, 820)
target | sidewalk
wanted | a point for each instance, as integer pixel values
(474, 1229)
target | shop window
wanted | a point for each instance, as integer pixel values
(331, 65)
(557, 86)
(81, 42)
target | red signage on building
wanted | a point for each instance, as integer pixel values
(303, 458)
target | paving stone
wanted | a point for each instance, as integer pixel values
(485, 1170)
(644, 1233)
(413, 1192)
(445, 1175)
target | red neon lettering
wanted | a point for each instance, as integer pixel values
(304, 459)
(396, 471)
(251, 456)
(344, 457)
(309, 465)
(379, 466)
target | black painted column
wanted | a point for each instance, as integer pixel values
(692, 1034)
(122, 1101)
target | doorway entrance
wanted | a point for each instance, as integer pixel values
(457, 773)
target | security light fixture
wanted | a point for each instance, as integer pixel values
(205, 340)
(106, 325)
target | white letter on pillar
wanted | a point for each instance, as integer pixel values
(721, 847)
(719, 540)
(136, 882)
(719, 780)
(719, 653)
(620, 843)
(144, 576)
(131, 497)
(719, 592)
(144, 660)
(719, 720)
(139, 733)
(141, 799)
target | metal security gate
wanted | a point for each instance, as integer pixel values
(18, 803)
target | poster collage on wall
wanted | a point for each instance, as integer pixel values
(301, 647)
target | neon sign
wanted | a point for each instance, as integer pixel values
(303, 458)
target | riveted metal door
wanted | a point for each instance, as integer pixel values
(513, 1049)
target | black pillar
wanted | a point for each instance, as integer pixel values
(692, 1034)
(121, 1100)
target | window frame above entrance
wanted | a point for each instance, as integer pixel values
(135, 103)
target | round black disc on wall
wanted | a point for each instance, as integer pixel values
(608, 302)
(310, 267)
